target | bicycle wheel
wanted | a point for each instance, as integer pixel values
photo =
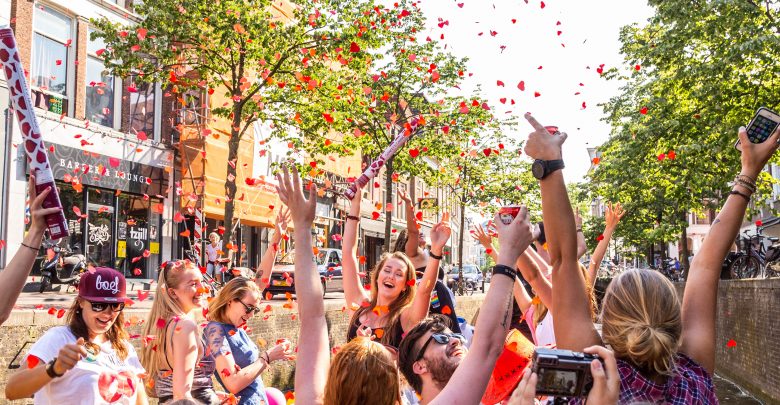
(745, 267)
(772, 269)
(468, 288)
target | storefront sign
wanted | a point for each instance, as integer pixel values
(121, 249)
(154, 248)
(107, 172)
(99, 234)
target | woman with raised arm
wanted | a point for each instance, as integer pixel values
(176, 359)
(612, 216)
(263, 274)
(239, 362)
(665, 352)
(395, 303)
(363, 371)
(68, 364)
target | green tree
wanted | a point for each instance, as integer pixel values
(268, 67)
(697, 74)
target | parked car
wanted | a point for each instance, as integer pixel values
(471, 273)
(283, 276)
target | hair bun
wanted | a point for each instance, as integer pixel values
(651, 348)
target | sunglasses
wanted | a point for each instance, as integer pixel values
(102, 306)
(440, 338)
(249, 308)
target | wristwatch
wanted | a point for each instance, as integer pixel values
(543, 168)
(50, 369)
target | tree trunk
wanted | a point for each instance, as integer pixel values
(652, 255)
(685, 251)
(388, 200)
(460, 242)
(230, 186)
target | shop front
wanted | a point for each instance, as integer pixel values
(114, 209)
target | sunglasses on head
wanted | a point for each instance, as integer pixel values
(101, 306)
(440, 338)
(249, 308)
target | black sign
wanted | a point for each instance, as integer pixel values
(98, 170)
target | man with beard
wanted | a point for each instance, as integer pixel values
(429, 354)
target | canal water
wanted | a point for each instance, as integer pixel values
(732, 394)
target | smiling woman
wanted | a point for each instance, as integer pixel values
(91, 358)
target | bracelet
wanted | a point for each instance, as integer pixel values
(267, 357)
(747, 179)
(749, 186)
(741, 194)
(434, 256)
(352, 217)
(505, 270)
(29, 247)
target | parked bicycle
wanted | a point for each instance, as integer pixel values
(757, 256)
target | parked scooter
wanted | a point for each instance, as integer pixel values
(61, 266)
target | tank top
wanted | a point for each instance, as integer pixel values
(201, 380)
(394, 340)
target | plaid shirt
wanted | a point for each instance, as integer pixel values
(690, 384)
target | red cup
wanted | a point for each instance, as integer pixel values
(552, 129)
(507, 214)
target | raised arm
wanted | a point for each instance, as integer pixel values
(440, 234)
(701, 289)
(484, 239)
(354, 293)
(469, 381)
(613, 215)
(531, 272)
(574, 329)
(263, 275)
(582, 247)
(412, 248)
(15, 275)
(311, 371)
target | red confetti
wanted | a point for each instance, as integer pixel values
(411, 283)
(671, 155)
(759, 223)
(446, 310)
(643, 111)
(160, 323)
(60, 313)
(414, 153)
(353, 47)
(731, 343)
(596, 160)
(521, 85)
(32, 361)
(600, 238)
(375, 215)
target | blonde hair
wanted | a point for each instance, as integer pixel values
(398, 305)
(362, 373)
(641, 320)
(540, 310)
(163, 307)
(235, 289)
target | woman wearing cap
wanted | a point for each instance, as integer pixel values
(238, 359)
(176, 360)
(88, 361)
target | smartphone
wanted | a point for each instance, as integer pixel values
(507, 214)
(562, 373)
(761, 127)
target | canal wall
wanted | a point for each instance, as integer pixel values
(24, 327)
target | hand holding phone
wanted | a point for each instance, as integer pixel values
(761, 126)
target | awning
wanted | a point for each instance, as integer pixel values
(373, 228)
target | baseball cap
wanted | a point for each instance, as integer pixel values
(103, 285)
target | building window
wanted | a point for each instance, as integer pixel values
(101, 100)
(143, 107)
(52, 33)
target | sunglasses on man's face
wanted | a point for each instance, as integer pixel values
(249, 308)
(442, 339)
(102, 306)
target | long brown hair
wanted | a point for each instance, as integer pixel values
(362, 373)
(117, 334)
(235, 289)
(398, 305)
(163, 307)
(641, 320)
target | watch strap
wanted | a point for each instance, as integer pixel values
(552, 165)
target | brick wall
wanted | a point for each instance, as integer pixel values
(747, 314)
(24, 327)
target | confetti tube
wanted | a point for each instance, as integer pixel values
(31, 133)
(372, 170)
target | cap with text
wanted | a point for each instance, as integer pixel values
(103, 285)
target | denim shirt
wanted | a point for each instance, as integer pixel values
(224, 339)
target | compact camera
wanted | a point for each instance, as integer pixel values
(562, 373)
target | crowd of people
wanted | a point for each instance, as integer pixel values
(653, 347)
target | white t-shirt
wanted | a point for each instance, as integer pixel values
(80, 385)
(543, 333)
(211, 252)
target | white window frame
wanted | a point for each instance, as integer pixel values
(116, 105)
(70, 77)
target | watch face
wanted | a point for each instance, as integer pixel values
(537, 168)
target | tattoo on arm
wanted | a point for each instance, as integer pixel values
(507, 312)
(715, 222)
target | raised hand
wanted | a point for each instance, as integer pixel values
(482, 237)
(405, 198)
(541, 144)
(291, 194)
(756, 155)
(282, 351)
(440, 233)
(613, 215)
(37, 212)
(69, 356)
(513, 238)
(282, 221)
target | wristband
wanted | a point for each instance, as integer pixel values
(434, 256)
(267, 357)
(505, 270)
(352, 217)
(29, 247)
(741, 194)
(50, 369)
